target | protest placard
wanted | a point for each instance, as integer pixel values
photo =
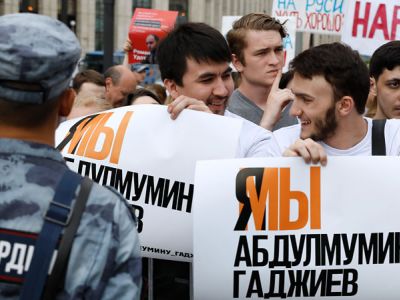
(280, 228)
(317, 16)
(289, 42)
(370, 24)
(148, 27)
(150, 159)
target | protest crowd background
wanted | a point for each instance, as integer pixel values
(82, 81)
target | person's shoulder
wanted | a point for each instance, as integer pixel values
(255, 141)
(247, 124)
(235, 94)
(230, 114)
(107, 199)
(393, 124)
(286, 136)
(292, 129)
(240, 104)
(392, 137)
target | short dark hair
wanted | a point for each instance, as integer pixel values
(341, 66)
(91, 76)
(140, 93)
(158, 90)
(386, 56)
(286, 79)
(197, 41)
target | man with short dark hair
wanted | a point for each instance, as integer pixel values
(384, 68)
(89, 82)
(258, 55)
(104, 261)
(330, 96)
(85, 76)
(119, 82)
(194, 64)
(198, 77)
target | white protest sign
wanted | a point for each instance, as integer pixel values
(278, 228)
(289, 42)
(227, 22)
(370, 24)
(317, 16)
(150, 159)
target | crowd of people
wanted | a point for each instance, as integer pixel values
(317, 109)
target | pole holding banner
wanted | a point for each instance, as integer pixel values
(108, 33)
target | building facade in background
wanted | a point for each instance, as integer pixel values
(85, 17)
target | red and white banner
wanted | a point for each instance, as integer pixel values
(370, 24)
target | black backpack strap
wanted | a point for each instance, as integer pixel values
(378, 137)
(55, 281)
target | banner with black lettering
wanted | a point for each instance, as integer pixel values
(316, 16)
(150, 159)
(279, 228)
(370, 24)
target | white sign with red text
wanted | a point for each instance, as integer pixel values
(370, 24)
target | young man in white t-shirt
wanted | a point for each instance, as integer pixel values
(194, 65)
(331, 84)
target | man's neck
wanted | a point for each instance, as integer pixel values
(255, 93)
(350, 132)
(44, 135)
(380, 114)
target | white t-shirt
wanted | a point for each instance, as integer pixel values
(288, 135)
(254, 141)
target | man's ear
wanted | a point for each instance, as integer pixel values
(171, 87)
(345, 105)
(372, 86)
(236, 63)
(108, 82)
(66, 102)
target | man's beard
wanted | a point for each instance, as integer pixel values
(326, 126)
(220, 110)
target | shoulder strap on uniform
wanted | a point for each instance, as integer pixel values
(57, 217)
(378, 137)
(55, 281)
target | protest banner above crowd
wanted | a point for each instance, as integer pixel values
(150, 159)
(316, 16)
(280, 228)
(370, 24)
(148, 27)
(289, 42)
